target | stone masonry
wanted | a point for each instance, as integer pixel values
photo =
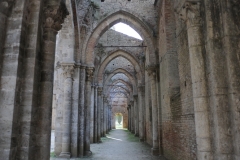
(64, 68)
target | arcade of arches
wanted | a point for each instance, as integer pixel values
(63, 67)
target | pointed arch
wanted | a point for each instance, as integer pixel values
(120, 16)
(119, 53)
(132, 79)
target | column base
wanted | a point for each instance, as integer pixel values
(141, 140)
(155, 151)
(87, 153)
(65, 155)
(136, 135)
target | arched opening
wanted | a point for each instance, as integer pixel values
(118, 120)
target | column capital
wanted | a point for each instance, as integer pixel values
(68, 69)
(135, 96)
(131, 102)
(105, 99)
(151, 69)
(89, 73)
(54, 16)
(100, 90)
(189, 11)
(6, 6)
(141, 88)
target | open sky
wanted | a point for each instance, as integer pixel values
(126, 29)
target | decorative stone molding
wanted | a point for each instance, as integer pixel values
(54, 16)
(105, 99)
(141, 88)
(190, 12)
(83, 67)
(5, 6)
(135, 96)
(68, 69)
(89, 75)
(131, 103)
(100, 90)
(151, 69)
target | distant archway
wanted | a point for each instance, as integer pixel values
(119, 53)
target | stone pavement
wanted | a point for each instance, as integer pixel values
(120, 145)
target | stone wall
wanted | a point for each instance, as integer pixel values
(178, 127)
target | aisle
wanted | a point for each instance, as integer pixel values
(120, 145)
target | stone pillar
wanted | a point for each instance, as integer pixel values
(92, 115)
(152, 76)
(68, 69)
(108, 115)
(82, 109)
(89, 78)
(140, 112)
(105, 103)
(95, 115)
(99, 109)
(136, 125)
(53, 18)
(110, 118)
(128, 109)
(191, 14)
(132, 117)
(231, 42)
(217, 83)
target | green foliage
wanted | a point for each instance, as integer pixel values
(52, 154)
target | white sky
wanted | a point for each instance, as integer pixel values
(126, 29)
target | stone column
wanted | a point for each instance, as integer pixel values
(92, 115)
(99, 108)
(95, 115)
(140, 112)
(132, 117)
(217, 83)
(105, 103)
(89, 78)
(191, 14)
(152, 76)
(54, 15)
(68, 69)
(82, 109)
(110, 117)
(128, 109)
(136, 125)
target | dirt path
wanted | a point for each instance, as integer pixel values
(121, 145)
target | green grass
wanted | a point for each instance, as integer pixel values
(131, 137)
(52, 154)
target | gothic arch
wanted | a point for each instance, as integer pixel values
(108, 22)
(119, 53)
(124, 82)
(132, 79)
